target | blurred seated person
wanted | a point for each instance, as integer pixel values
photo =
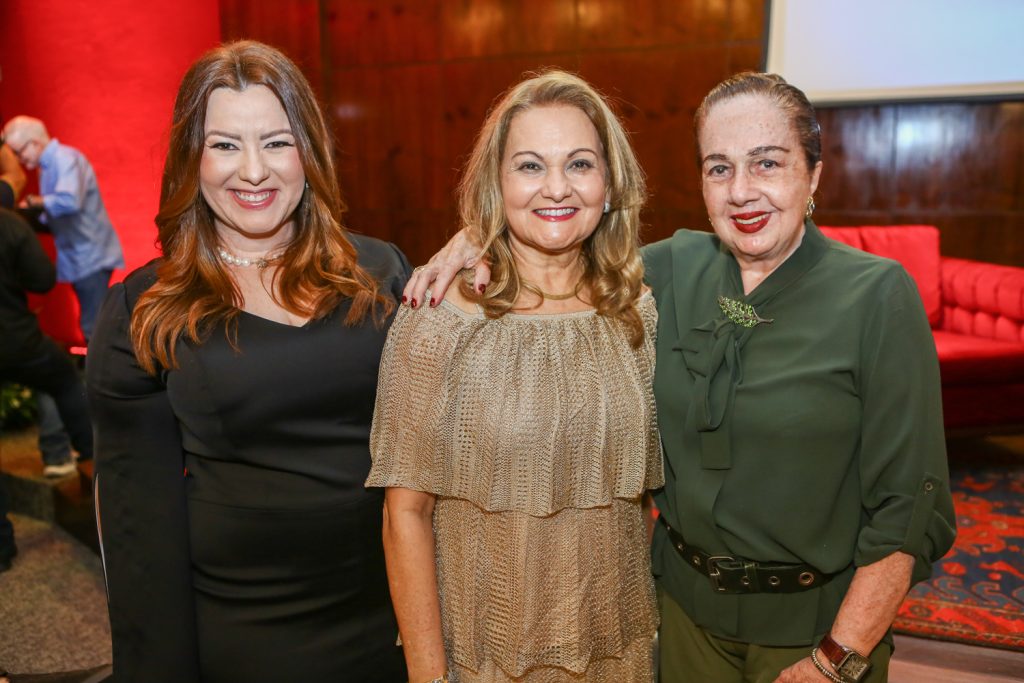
(26, 355)
(54, 444)
(88, 249)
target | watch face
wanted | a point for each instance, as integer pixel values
(854, 667)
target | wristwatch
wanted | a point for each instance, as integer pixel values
(848, 663)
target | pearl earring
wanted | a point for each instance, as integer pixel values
(607, 206)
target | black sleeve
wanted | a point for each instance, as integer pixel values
(33, 269)
(384, 261)
(402, 273)
(6, 195)
(142, 508)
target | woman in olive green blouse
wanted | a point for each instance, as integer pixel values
(799, 405)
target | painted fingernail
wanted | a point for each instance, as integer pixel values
(404, 298)
(413, 304)
(481, 288)
(432, 303)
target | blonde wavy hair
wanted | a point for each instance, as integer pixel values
(318, 270)
(613, 270)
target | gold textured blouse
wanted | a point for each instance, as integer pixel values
(537, 434)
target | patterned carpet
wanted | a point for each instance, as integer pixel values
(976, 595)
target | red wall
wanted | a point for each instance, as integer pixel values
(103, 75)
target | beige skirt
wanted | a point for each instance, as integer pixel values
(636, 665)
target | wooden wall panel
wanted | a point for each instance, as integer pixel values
(370, 32)
(744, 57)
(473, 29)
(858, 159)
(611, 24)
(660, 118)
(467, 104)
(936, 167)
(397, 165)
(293, 27)
(747, 21)
(407, 84)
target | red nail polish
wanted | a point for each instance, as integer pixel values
(404, 298)
(413, 303)
(432, 302)
(481, 288)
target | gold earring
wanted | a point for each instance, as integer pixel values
(810, 207)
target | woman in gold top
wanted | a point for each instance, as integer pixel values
(513, 527)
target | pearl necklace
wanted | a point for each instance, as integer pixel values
(232, 260)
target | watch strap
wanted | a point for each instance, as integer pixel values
(847, 662)
(833, 651)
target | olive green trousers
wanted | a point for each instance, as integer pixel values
(689, 654)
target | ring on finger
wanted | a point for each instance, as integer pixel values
(418, 269)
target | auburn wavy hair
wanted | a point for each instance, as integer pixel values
(613, 270)
(194, 291)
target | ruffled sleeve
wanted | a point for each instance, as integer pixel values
(412, 389)
(527, 413)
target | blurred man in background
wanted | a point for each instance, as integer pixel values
(88, 249)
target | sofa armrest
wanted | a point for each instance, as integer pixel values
(982, 299)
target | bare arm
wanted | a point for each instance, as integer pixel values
(460, 252)
(409, 552)
(867, 612)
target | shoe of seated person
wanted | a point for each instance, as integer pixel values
(60, 470)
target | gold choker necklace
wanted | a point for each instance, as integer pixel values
(555, 297)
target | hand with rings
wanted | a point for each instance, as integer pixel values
(439, 272)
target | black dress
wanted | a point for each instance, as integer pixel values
(239, 541)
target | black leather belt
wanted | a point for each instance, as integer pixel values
(735, 575)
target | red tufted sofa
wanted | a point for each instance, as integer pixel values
(976, 311)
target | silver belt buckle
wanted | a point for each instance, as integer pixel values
(713, 574)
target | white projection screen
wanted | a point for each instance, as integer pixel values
(847, 51)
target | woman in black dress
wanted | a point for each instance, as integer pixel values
(232, 383)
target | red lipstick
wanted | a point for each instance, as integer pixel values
(750, 222)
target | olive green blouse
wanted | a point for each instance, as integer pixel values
(813, 437)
